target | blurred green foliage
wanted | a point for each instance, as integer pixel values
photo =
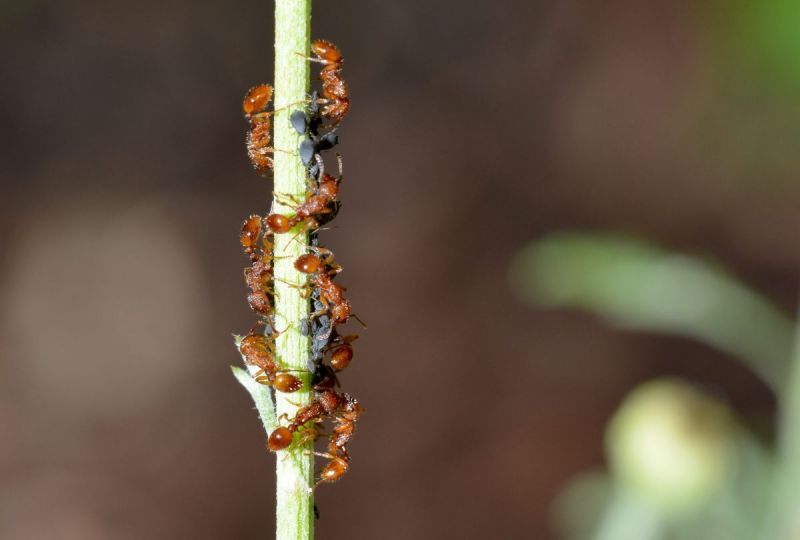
(766, 37)
(641, 286)
(681, 465)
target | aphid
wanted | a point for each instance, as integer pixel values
(306, 151)
(334, 89)
(299, 121)
(322, 329)
(311, 147)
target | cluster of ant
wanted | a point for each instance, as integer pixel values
(317, 122)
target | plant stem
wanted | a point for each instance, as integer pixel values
(295, 467)
(783, 521)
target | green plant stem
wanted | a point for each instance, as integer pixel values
(783, 521)
(625, 518)
(295, 467)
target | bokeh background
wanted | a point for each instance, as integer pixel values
(477, 129)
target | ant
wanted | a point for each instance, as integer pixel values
(342, 352)
(258, 351)
(339, 439)
(317, 204)
(334, 90)
(251, 230)
(345, 411)
(331, 295)
(259, 274)
(324, 404)
(258, 136)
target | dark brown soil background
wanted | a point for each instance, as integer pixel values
(475, 128)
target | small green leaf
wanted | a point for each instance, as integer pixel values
(262, 397)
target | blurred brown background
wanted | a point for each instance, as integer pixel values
(476, 127)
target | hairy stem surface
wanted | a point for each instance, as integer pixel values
(295, 467)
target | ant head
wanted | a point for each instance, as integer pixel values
(286, 382)
(307, 264)
(341, 312)
(256, 99)
(251, 228)
(278, 223)
(341, 357)
(326, 50)
(279, 439)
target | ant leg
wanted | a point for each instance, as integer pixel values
(312, 58)
(293, 198)
(320, 164)
(326, 257)
(339, 160)
(362, 323)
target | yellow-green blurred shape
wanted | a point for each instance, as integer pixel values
(639, 285)
(766, 37)
(672, 446)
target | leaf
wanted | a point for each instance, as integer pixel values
(262, 397)
(641, 286)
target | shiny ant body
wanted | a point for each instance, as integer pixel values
(258, 136)
(334, 90)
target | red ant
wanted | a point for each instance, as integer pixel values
(339, 439)
(316, 205)
(257, 277)
(345, 411)
(258, 136)
(251, 231)
(259, 274)
(258, 351)
(324, 404)
(334, 89)
(331, 295)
